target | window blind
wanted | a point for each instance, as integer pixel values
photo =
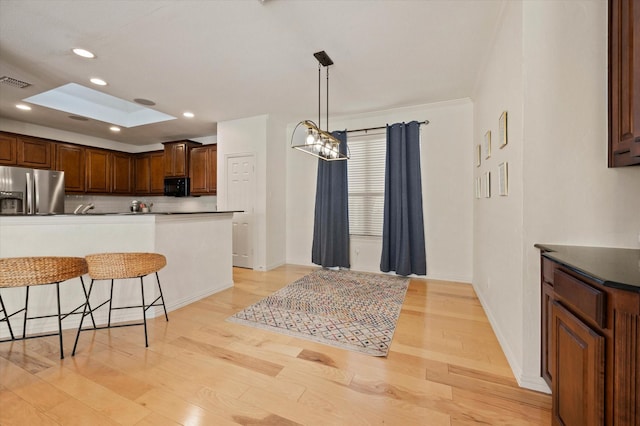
(366, 184)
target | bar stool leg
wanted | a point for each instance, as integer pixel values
(6, 317)
(24, 323)
(144, 314)
(162, 297)
(59, 320)
(84, 314)
(110, 300)
(93, 320)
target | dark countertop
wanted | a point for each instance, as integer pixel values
(124, 213)
(611, 267)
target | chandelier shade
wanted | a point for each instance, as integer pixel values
(308, 137)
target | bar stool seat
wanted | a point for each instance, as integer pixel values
(113, 266)
(34, 271)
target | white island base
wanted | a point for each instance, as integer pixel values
(197, 247)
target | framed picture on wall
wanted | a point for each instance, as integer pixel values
(478, 155)
(486, 185)
(478, 187)
(503, 179)
(487, 144)
(502, 126)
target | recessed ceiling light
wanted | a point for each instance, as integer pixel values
(114, 128)
(23, 107)
(188, 114)
(98, 81)
(84, 53)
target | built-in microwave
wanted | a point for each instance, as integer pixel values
(177, 187)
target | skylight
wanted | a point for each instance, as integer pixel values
(79, 100)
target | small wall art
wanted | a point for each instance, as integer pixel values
(478, 187)
(487, 145)
(503, 179)
(486, 185)
(503, 130)
(478, 155)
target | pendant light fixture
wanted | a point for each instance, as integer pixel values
(307, 136)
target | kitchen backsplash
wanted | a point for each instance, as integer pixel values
(161, 204)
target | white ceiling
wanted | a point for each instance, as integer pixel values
(229, 59)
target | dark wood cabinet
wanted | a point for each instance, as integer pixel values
(98, 170)
(204, 170)
(71, 160)
(121, 173)
(624, 83)
(26, 151)
(176, 158)
(578, 370)
(149, 176)
(590, 348)
(33, 152)
(8, 150)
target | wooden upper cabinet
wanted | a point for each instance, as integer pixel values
(176, 158)
(203, 170)
(8, 152)
(149, 173)
(36, 153)
(98, 169)
(70, 160)
(121, 173)
(624, 83)
(156, 164)
(143, 174)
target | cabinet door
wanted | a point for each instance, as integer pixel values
(98, 171)
(143, 174)
(122, 176)
(213, 170)
(70, 159)
(199, 172)
(203, 170)
(624, 82)
(577, 370)
(156, 166)
(34, 153)
(8, 154)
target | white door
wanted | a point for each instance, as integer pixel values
(240, 196)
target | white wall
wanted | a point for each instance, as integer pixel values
(498, 227)
(264, 137)
(446, 182)
(568, 194)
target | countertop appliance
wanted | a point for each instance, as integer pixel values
(177, 187)
(31, 191)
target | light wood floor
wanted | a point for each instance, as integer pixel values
(445, 367)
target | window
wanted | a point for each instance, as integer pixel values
(366, 184)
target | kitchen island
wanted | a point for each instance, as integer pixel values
(197, 247)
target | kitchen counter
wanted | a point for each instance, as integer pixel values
(123, 213)
(197, 245)
(611, 267)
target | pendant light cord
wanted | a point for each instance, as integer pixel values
(319, 122)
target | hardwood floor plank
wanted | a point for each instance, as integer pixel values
(15, 411)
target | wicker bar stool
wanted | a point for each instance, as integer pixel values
(34, 271)
(112, 266)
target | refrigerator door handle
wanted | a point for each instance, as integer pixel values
(30, 189)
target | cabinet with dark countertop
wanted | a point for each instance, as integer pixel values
(590, 330)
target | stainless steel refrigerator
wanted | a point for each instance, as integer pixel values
(31, 191)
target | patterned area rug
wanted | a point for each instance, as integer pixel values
(350, 310)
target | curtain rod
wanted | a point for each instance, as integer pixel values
(425, 122)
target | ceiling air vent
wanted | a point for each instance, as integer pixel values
(13, 82)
